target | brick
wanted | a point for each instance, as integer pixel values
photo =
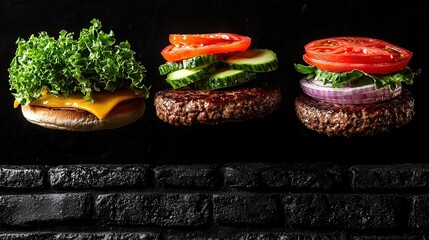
(190, 236)
(419, 213)
(98, 176)
(153, 209)
(316, 176)
(130, 236)
(80, 236)
(188, 176)
(271, 235)
(343, 211)
(24, 210)
(22, 177)
(27, 236)
(243, 175)
(239, 209)
(288, 236)
(389, 237)
(106, 236)
(392, 176)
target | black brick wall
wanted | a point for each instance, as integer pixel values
(213, 201)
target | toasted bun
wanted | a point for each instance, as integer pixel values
(355, 119)
(189, 106)
(78, 120)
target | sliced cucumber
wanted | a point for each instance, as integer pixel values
(184, 77)
(169, 67)
(194, 62)
(224, 78)
(253, 60)
(199, 61)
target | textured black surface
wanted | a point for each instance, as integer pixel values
(22, 210)
(343, 211)
(170, 202)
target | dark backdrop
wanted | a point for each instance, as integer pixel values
(283, 26)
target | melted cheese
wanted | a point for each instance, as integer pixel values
(103, 103)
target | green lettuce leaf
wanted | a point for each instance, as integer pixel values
(91, 63)
(358, 77)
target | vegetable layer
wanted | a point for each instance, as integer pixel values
(91, 63)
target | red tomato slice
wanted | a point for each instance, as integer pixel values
(371, 68)
(192, 45)
(202, 39)
(340, 54)
(356, 50)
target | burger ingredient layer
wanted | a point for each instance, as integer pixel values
(91, 63)
(215, 79)
(354, 120)
(354, 86)
(188, 106)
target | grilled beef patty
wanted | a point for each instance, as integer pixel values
(355, 120)
(189, 106)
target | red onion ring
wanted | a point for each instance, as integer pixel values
(347, 95)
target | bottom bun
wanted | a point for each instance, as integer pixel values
(78, 120)
(355, 120)
(189, 106)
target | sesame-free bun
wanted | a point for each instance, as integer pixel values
(71, 119)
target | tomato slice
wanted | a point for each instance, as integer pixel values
(192, 45)
(371, 68)
(351, 52)
(202, 39)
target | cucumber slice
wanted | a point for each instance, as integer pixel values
(225, 78)
(253, 60)
(194, 62)
(169, 67)
(184, 77)
(199, 61)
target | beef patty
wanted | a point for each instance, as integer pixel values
(355, 120)
(189, 106)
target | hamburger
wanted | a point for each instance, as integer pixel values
(213, 79)
(84, 84)
(355, 86)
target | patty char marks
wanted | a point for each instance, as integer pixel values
(189, 106)
(355, 119)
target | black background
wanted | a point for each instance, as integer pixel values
(280, 25)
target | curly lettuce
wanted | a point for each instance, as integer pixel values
(91, 63)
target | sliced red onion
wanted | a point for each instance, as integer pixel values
(347, 95)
